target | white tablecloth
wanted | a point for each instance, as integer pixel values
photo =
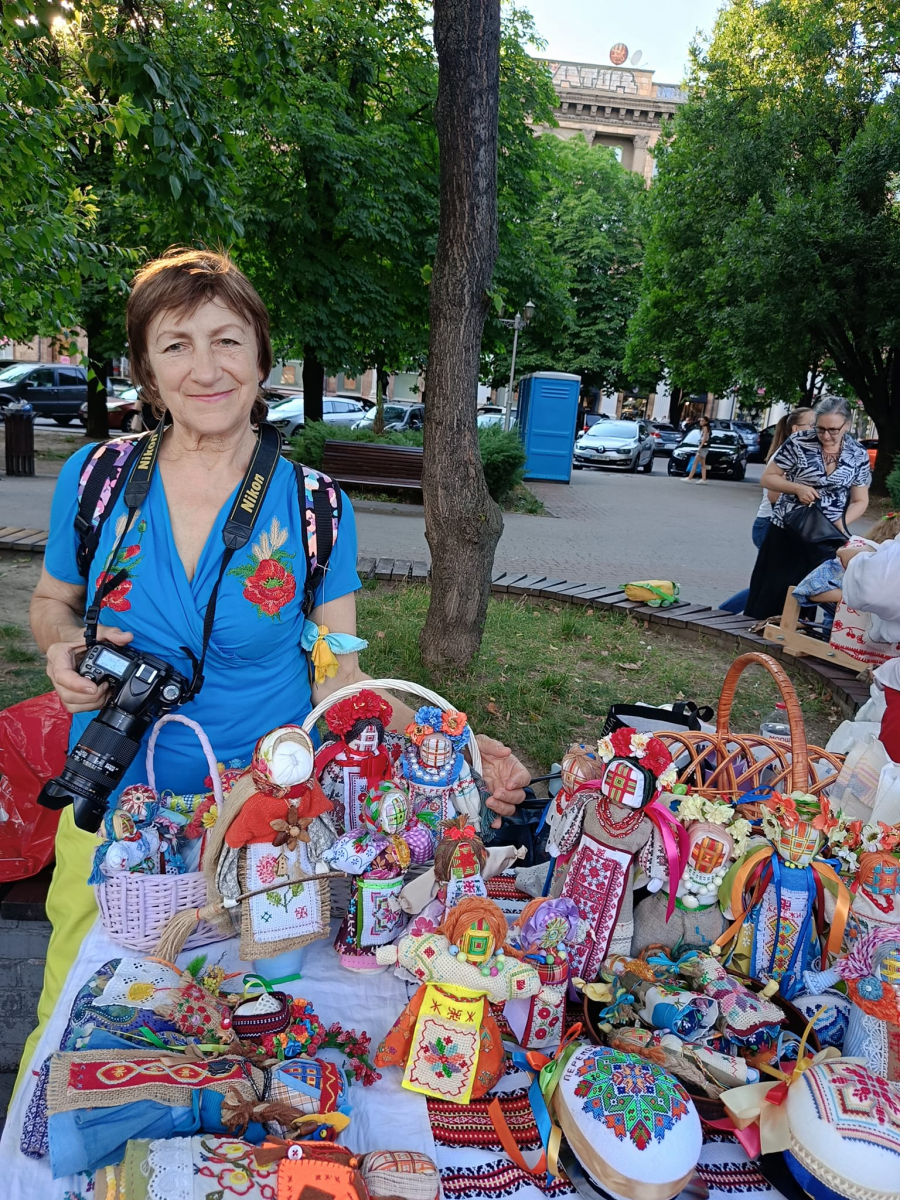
(385, 1116)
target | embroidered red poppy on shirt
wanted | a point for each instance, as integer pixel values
(269, 583)
(117, 599)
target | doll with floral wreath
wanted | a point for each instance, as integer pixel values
(357, 755)
(869, 857)
(716, 835)
(789, 906)
(432, 767)
(618, 813)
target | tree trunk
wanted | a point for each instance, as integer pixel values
(462, 522)
(313, 386)
(676, 404)
(99, 370)
(380, 389)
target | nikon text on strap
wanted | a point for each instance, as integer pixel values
(235, 533)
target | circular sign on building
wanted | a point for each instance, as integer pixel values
(618, 54)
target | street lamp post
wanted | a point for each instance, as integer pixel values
(519, 321)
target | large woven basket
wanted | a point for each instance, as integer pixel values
(391, 685)
(134, 909)
(727, 764)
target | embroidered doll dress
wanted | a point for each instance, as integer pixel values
(256, 676)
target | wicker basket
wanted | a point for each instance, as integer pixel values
(134, 909)
(391, 685)
(727, 764)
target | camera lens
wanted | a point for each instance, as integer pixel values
(94, 769)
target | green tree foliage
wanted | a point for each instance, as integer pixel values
(590, 225)
(774, 251)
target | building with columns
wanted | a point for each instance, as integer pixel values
(618, 107)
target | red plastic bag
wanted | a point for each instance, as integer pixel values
(34, 738)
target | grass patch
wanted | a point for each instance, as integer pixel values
(546, 675)
(22, 673)
(522, 500)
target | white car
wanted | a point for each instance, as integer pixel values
(287, 415)
(625, 444)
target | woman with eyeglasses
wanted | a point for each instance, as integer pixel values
(824, 465)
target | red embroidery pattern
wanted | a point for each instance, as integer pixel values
(856, 1103)
(128, 559)
(596, 882)
(269, 583)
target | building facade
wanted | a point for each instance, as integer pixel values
(618, 107)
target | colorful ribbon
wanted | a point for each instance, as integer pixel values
(322, 645)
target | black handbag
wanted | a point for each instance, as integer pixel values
(809, 525)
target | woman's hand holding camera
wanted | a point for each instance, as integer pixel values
(77, 693)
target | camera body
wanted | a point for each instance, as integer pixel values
(142, 688)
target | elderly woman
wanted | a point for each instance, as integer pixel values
(825, 466)
(198, 338)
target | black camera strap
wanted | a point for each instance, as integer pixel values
(235, 533)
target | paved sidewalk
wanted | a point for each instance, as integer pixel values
(604, 525)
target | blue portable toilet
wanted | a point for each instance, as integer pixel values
(547, 412)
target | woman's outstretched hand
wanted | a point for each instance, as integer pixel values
(504, 774)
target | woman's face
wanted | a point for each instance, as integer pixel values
(830, 428)
(206, 367)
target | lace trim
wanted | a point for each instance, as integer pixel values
(146, 978)
(171, 1169)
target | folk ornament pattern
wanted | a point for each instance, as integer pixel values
(632, 1097)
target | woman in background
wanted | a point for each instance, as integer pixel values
(791, 423)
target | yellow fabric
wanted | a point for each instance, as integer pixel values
(323, 657)
(464, 1009)
(72, 910)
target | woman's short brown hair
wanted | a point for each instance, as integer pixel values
(180, 281)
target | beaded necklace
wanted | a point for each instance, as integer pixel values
(617, 828)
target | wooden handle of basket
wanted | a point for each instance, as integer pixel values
(799, 750)
(399, 685)
(207, 750)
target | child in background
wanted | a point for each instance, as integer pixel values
(871, 585)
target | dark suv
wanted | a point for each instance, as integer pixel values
(55, 390)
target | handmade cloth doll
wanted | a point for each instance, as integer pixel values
(580, 764)
(460, 859)
(432, 767)
(745, 1018)
(376, 855)
(616, 821)
(778, 899)
(871, 971)
(356, 757)
(876, 894)
(264, 854)
(697, 920)
(152, 1095)
(141, 841)
(446, 1038)
(542, 933)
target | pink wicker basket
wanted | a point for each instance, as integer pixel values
(134, 909)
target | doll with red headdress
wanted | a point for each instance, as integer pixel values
(355, 758)
(432, 767)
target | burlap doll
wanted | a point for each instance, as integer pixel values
(580, 764)
(356, 757)
(376, 856)
(432, 767)
(782, 896)
(716, 834)
(460, 859)
(269, 842)
(617, 820)
(446, 1038)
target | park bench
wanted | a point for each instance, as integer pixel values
(373, 466)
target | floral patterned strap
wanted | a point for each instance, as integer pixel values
(101, 479)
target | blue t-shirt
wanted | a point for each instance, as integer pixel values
(256, 675)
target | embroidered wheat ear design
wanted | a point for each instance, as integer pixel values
(277, 534)
(262, 549)
(120, 524)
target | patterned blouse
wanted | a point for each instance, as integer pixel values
(801, 460)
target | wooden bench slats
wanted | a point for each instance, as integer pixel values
(373, 466)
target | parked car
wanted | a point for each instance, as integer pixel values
(287, 414)
(117, 384)
(397, 417)
(625, 444)
(665, 437)
(53, 390)
(749, 433)
(122, 411)
(727, 454)
(491, 416)
(588, 421)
